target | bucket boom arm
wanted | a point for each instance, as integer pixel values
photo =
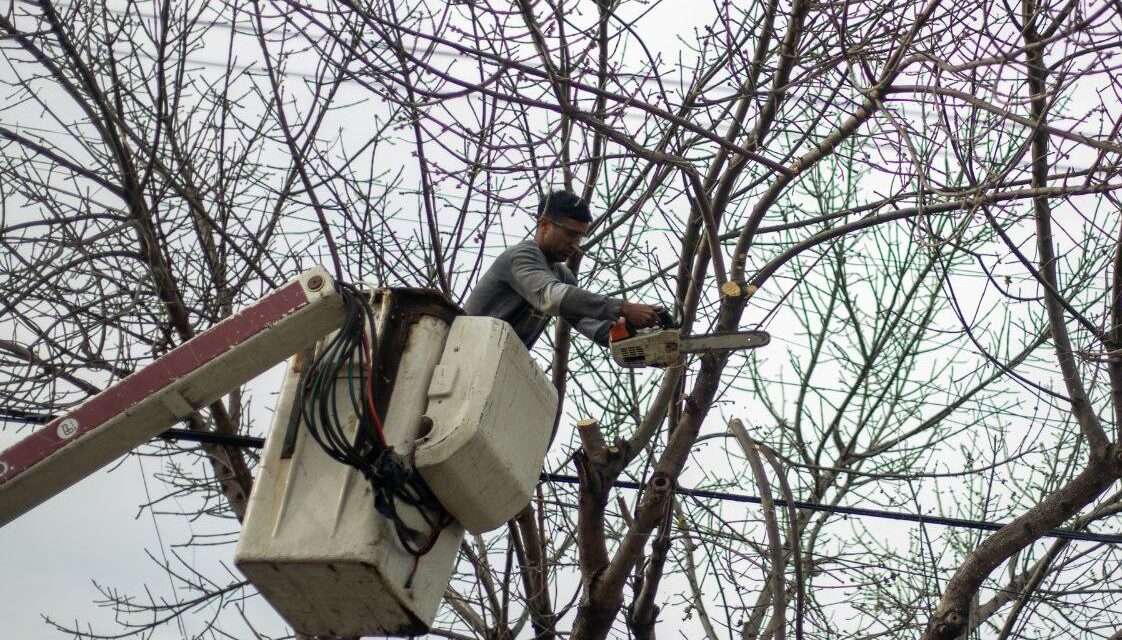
(144, 404)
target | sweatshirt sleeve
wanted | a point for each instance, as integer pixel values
(532, 278)
(595, 330)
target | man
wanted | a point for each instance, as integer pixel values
(529, 282)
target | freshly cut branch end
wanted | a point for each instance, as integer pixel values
(732, 289)
(592, 440)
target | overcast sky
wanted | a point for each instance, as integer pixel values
(92, 532)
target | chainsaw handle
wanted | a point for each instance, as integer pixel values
(665, 320)
(622, 329)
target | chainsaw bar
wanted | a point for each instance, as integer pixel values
(665, 347)
(724, 341)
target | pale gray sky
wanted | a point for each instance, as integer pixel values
(91, 532)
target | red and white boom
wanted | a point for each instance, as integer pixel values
(448, 391)
(195, 374)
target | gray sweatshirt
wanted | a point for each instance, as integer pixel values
(524, 289)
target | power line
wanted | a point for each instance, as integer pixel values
(209, 437)
(254, 442)
(958, 523)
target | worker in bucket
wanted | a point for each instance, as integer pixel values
(529, 282)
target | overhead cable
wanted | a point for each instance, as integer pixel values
(957, 523)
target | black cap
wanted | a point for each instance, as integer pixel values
(564, 204)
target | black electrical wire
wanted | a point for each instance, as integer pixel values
(210, 437)
(958, 523)
(341, 372)
(251, 442)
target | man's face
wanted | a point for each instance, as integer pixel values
(560, 239)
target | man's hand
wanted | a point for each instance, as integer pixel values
(638, 315)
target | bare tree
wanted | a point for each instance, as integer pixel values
(917, 200)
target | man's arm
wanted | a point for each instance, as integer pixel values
(595, 330)
(531, 278)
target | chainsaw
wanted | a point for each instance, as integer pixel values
(664, 345)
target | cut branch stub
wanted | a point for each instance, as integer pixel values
(738, 288)
(592, 441)
(598, 464)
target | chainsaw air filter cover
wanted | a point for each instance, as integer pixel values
(658, 348)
